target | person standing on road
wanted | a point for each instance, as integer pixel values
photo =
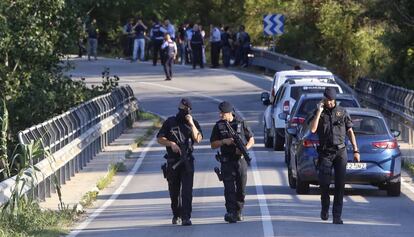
(178, 134)
(157, 37)
(128, 38)
(215, 42)
(139, 42)
(196, 47)
(233, 165)
(93, 40)
(169, 49)
(226, 46)
(331, 122)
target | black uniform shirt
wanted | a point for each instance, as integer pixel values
(181, 130)
(333, 125)
(220, 132)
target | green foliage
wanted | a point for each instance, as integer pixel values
(36, 222)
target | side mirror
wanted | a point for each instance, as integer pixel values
(282, 116)
(395, 133)
(292, 131)
(265, 98)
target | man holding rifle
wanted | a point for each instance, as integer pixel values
(178, 134)
(234, 158)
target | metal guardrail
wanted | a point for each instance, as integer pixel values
(74, 138)
(396, 103)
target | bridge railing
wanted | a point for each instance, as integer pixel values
(74, 138)
(396, 103)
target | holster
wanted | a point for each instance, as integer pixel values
(164, 170)
(218, 173)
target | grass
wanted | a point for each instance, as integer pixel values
(156, 124)
(89, 197)
(36, 222)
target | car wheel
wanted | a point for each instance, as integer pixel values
(268, 141)
(292, 181)
(278, 141)
(394, 189)
(301, 186)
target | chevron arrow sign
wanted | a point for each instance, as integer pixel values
(273, 24)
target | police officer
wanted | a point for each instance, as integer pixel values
(196, 47)
(331, 122)
(233, 165)
(170, 52)
(178, 134)
(157, 38)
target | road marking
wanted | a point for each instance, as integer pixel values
(115, 195)
(261, 197)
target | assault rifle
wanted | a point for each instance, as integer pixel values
(184, 150)
(239, 143)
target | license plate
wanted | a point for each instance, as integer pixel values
(356, 166)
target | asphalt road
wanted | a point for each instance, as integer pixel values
(140, 206)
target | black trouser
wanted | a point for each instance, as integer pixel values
(180, 186)
(197, 51)
(215, 54)
(81, 47)
(245, 55)
(156, 50)
(226, 55)
(168, 62)
(336, 159)
(234, 179)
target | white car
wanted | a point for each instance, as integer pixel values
(280, 78)
(275, 115)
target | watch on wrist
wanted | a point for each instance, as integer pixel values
(356, 152)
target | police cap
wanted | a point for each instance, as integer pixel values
(225, 107)
(185, 103)
(330, 93)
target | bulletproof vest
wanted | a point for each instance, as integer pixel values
(170, 50)
(157, 33)
(331, 128)
(180, 134)
(237, 126)
(196, 38)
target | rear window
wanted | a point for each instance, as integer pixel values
(368, 125)
(297, 91)
(309, 106)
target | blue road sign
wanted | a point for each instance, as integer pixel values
(273, 24)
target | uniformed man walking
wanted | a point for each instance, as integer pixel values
(331, 122)
(178, 134)
(233, 165)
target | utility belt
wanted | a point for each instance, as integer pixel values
(172, 160)
(227, 158)
(330, 147)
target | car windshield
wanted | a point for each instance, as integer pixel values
(297, 91)
(309, 105)
(368, 125)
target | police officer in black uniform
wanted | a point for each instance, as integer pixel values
(331, 122)
(233, 165)
(157, 38)
(178, 133)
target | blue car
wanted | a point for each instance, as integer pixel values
(380, 154)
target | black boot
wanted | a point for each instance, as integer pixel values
(230, 218)
(176, 220)
(186, 222)
(324, 215)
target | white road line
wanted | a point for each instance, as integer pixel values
(115, 195)
(261, 197)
